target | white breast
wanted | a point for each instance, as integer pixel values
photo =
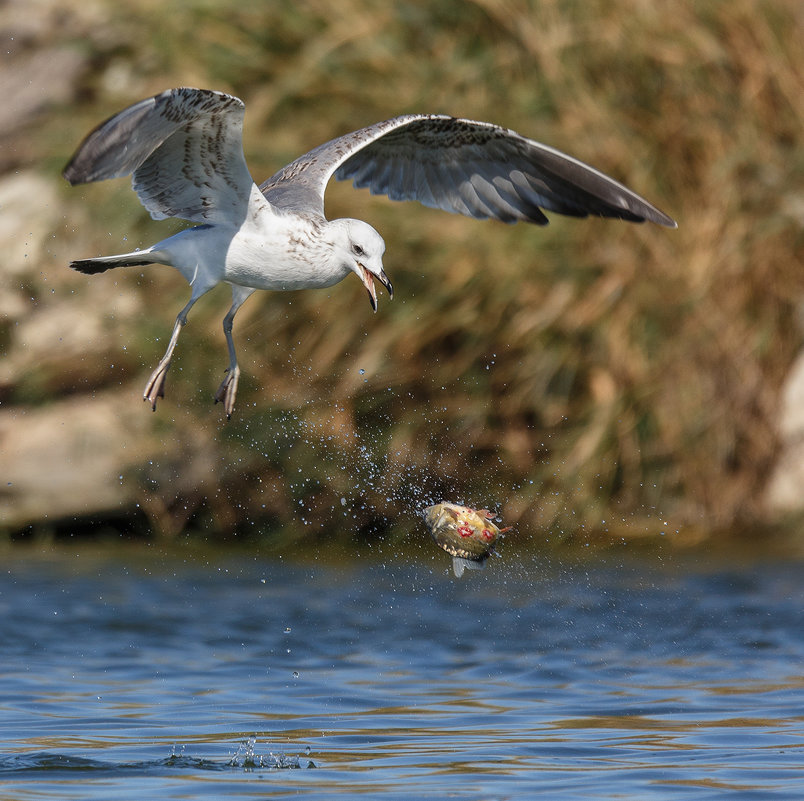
(282, 251)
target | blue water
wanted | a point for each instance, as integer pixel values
(134, 673)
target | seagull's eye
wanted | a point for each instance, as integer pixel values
(358, 250)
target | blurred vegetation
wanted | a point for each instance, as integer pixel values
(589, 376)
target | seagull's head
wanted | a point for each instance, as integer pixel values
(361, 249)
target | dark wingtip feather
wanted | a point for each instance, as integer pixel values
(91, 266)
(660, 218)
(71, 174)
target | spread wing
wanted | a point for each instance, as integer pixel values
(184, 149)
(466, 167)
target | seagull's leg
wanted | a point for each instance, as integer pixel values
(228, 389)
(155, 388)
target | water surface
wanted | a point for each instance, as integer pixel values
(138, 673)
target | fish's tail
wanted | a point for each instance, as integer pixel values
(459, 564)
(103, 263)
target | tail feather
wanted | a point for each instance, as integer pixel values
(103, 263)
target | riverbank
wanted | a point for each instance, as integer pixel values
(590, 376)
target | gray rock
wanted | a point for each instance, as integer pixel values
(785, 491)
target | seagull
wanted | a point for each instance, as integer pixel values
(184, 151)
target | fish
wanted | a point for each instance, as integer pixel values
(466, 534)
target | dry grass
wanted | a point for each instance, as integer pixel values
(591, 374)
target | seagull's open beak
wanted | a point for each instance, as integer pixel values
(368, 281)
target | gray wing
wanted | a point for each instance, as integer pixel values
(184, 149)
(466, 167)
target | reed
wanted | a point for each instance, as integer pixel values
(588, 376)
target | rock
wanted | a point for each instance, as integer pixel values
(29, 211)
(35, 81)
(98, 454)
(69, 458)
(785, 490)
(45, 338)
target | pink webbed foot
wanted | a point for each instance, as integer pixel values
(227, 391)
(155, 388)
